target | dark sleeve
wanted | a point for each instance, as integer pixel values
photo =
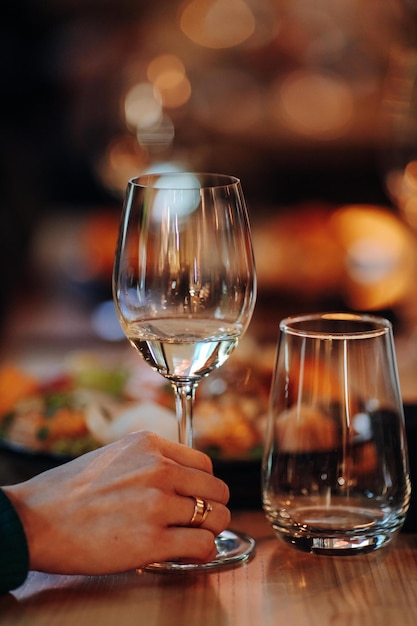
(14, 553)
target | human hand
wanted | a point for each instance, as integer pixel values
(121, 507)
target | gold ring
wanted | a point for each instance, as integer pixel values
(201, 510)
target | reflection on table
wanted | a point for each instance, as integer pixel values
(280, 585)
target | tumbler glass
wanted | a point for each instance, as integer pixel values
(335, 471)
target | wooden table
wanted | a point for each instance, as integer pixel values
(280, 585)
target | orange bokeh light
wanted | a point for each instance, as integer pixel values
(217, 23)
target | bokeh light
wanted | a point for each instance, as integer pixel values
(402, 185)
(379, 255)
(157, 137)
(217, 23)
(142, 106)
(123, 159)
(167, 73)
(314, 104)
(177, 194)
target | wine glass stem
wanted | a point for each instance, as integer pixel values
(184, 402)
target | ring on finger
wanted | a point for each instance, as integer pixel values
(201, 509)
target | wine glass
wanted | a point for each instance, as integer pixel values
(184, 287)
(335, 467)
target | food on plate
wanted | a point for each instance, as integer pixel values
(94, 403)
(14, 384)
(42, 416)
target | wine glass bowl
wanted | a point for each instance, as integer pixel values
(184, 283)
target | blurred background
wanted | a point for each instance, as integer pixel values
(312, 104)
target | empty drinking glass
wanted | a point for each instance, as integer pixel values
(335, 467)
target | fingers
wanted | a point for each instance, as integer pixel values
(195, 483)
(176, 476)
(188, 472)
(186, 544)
(188, 457)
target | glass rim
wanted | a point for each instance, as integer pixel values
(381, 325)
(209, 180)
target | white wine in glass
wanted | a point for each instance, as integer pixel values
(184, 286)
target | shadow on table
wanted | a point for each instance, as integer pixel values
(133, 598)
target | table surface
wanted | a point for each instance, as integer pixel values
(279, 585)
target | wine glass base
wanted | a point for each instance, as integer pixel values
(232, 548)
